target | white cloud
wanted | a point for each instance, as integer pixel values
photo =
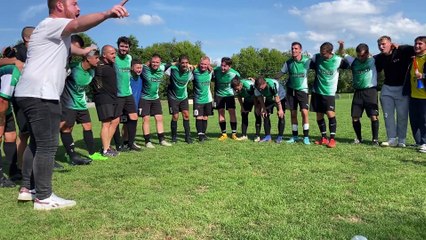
(278, 5)
(33, 11)
(279, 41)
(146, 19)
(357, 20)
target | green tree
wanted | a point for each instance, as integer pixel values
(252, 62)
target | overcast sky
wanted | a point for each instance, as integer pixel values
(226, 26)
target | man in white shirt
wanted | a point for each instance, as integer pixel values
(39, 89)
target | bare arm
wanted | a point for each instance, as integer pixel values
(341, 50)
(7, 61)
(89, 21)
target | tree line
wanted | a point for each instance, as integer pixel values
(249, 62)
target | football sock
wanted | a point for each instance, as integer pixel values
(357, 129)
(244, 123)
(322, 127)
(332, 122)
(88, 139)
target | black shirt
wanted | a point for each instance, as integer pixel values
(21, 52)
(104, 84)
(395, 65)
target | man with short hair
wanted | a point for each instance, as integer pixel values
(364, 81)
(326, 65)
(177, 96)
(297, 68)
(104, 87)
(270, 93)
(224, 96)
(41, 84)
(394, 61)
(203, 99)
(74, 107)
(126, 102)
(152, 76)
(416, 81)
(244, 90)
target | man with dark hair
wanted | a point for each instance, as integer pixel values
(416, 80)
(152, 76)
(6, 116)
(394, 61)
(270, 93)
(364, 81)
(74, 107)
(177, 96)
(126, 102)
(41, 84)
(326, 65)
(203, 107)
(224, 96)
(297, 90)
(244, 90)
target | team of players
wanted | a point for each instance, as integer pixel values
(124, 88)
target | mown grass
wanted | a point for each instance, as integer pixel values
(236, 190)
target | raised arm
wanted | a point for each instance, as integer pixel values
(89, 21)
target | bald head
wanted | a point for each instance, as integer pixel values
(108, 53)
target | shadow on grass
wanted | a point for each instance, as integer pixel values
(415, 162)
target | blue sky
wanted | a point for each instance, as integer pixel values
(225, 26)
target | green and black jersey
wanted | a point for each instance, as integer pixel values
(151, 80)
(364, 74)
(223, 82)
(327, 73)
(247, 91)
(297, 73)
(74, 95)
(273, 89)
(123, 66)
(202, 92)
(177, 88)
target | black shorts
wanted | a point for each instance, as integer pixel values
(71, 116)
(10, 123)
(269, 105)
(204, 109)
(150, 107)
(126, 105)
(176, 106)
(248, 104)
(224, 102)
(21, 120)
(365, 99)
(322, 104)
(297, 98)
(107, 112)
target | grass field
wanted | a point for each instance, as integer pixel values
(235, 190)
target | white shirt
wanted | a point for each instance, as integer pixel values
(45, 70)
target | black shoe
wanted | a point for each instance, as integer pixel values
(123, 148)
(375, 143)
(57, 166)
(174, 139)
(16, 177)
(188, 140)
(6, 183)
(77, 160)
(134, 147)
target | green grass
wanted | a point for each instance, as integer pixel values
(236, 190)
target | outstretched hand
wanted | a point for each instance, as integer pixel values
(119, 11)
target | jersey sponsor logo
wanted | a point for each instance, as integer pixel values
(362, 71)
(327, 72)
